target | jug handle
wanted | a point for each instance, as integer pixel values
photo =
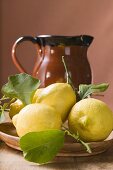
(14, 56)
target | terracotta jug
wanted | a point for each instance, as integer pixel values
(51, 50)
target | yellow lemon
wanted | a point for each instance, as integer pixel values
(58, 95)
(92, 119)
(36, 117)
(38, 91)
(15, 107)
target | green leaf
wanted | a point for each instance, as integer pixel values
(86, 90)
(21, 86)
(42, 147)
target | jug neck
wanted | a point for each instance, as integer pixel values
(54, 40)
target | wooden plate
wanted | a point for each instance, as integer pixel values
(9, 136)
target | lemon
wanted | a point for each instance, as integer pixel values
(92, 119)
(36, 117)
(35, 96)
(15, 107)
(61, 96)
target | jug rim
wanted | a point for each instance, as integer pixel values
(68, 36)
(53, 40)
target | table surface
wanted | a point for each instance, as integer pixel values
(11, 159)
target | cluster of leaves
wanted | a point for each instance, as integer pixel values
(20, 86)
(41, 147)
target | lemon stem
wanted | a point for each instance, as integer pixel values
(77, 138)
(68, 77)
(67, 73)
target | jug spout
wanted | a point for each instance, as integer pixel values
(86, 40)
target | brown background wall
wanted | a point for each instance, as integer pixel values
(63, 17)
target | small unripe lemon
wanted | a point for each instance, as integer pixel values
(15, 108)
